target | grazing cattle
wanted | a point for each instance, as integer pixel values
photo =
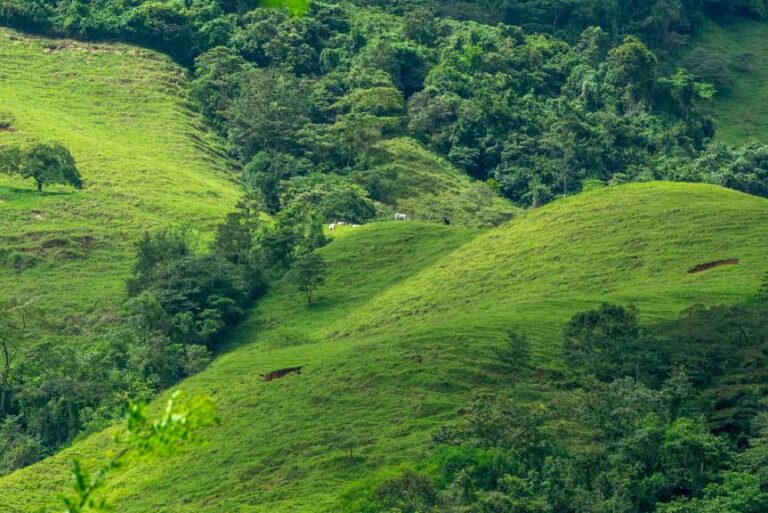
(332, 227)
(446, 220)
(401, 217)
(354, 226)
(340, 223)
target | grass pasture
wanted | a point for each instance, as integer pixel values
(145, 158)
(402, 337)
(740, 108)
(293, 6)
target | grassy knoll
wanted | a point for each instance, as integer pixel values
(144, 156)
(741, 106)
(402, 337)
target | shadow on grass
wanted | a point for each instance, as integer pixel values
(17, 193)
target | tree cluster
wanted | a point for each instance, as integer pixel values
(536, 115)
(667, 419)
(182, 301)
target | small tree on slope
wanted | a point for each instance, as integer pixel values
(43, 162)
(309, 274)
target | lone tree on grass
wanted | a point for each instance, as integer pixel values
(43, 162)
(309, 273)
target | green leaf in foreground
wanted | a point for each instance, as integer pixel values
(176, 428)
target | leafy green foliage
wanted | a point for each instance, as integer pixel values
(308, 274)
(591, 103)
(608, 343)
(306, 102)
(44, 163)
(619, 442)
(188, 297)
(620, 445)
(17, 448)
(268, 111)
(81, 359)
(593, 108)
(267, 171)
(175, 429)
(409, 493)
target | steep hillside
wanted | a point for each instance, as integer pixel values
(401, 338)
(144, 156)
(735, 57)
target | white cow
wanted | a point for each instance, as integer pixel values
(332, 227)
(401, 217)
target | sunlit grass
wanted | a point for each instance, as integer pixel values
(145, 159)
(403, 335)
(294, 6)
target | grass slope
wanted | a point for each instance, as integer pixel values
(741, 107)
(145, 159)
(294, 6)
(402, 337)
(427, 187)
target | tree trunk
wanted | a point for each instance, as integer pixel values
(6, 377)
(39, 185)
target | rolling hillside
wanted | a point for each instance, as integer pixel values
(402, 337)
(145, 159)
(147, 162)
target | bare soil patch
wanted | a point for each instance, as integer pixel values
(711, 265)
(280, 373)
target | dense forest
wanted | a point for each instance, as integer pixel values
(668, 419)
(580, 91)
(535, 100)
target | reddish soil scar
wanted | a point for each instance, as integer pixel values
(711, 265)
(281, 373)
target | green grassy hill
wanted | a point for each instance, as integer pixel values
(147, 162)
(738, 53)
(403, 335)
(427, 187)
(145, 158)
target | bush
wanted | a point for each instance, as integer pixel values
(333, 197)
(408, 493)
(309, 274)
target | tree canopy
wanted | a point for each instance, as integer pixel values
(45, 163)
